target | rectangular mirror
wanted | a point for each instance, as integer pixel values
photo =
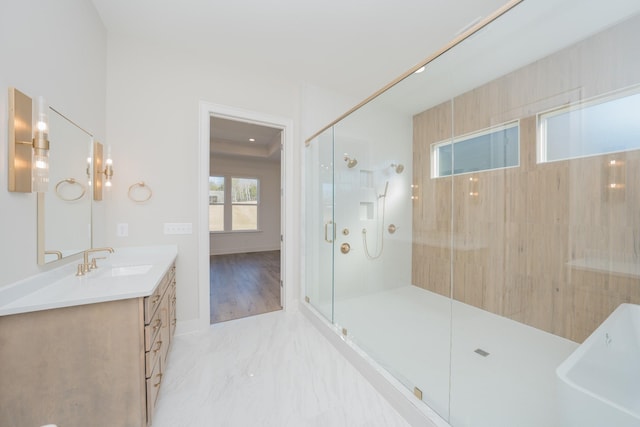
(64, 212)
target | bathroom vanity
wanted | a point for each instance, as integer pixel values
(89, 350)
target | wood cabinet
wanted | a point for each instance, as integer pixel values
(159, 320)
(96, 364)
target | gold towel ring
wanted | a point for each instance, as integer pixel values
(138, 185)
(70, 181)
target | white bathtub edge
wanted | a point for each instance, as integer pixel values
(562, 371)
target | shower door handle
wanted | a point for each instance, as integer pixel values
(326, 231)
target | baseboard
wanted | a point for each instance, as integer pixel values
(245, 251)
(415, 412)
(187, 327)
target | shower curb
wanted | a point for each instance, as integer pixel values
(395, 393)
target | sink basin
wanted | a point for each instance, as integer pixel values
(130, 270)
(121, 271)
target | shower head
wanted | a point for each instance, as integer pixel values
(398, 167)
(351, 161)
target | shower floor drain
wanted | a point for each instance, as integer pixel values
(481, 352)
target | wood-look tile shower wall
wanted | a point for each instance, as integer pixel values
(513, 242)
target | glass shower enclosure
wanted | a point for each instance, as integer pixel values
(470, 227)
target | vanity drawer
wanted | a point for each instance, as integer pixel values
(153, 388)
(152, 302)
(172, 311)
(152, 357)
(151, 331)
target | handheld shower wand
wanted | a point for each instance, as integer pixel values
(380, 240)
(384, 195)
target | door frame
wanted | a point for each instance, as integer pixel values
(207, 110)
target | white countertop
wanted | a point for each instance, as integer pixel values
(127, 273)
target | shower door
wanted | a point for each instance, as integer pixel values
(320, 223)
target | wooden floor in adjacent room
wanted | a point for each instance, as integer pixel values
(244, 285)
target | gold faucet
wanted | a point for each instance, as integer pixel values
(87, 266)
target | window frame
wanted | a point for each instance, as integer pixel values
(435, 153)
(257, 204)
(541, 123)
(228, 204)
(218, 203)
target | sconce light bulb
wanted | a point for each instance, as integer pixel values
(40, 172)
(109, 162)
(107, 184)
(42, 115)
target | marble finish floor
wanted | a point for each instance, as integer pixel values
(275, 369)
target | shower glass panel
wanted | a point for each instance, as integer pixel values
(473, 286)
(536, 246)
(375, 301)
(320, 224)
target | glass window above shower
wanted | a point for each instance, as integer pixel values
(607, 124)
(493, 148)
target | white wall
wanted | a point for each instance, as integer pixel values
(377, 137)
(268, 237)
(153, 124)
(56, 49)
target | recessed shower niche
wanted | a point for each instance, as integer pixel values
(366, 203)
(366, 211)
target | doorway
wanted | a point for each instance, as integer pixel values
(245, 221)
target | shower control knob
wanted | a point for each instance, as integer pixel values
(345, 248)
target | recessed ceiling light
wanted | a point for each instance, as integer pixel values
(252, 140)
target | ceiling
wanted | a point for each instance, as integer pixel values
(544, 26)
(351, 47)
(232, 138)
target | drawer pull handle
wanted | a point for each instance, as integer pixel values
(174, 322)
(155, 299)
(158, 324)
(159, 381)
(158, 347)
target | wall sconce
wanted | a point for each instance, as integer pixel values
(614, 173)
(102, 170)
(617, 175)
(473, 187)
(28, 144)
